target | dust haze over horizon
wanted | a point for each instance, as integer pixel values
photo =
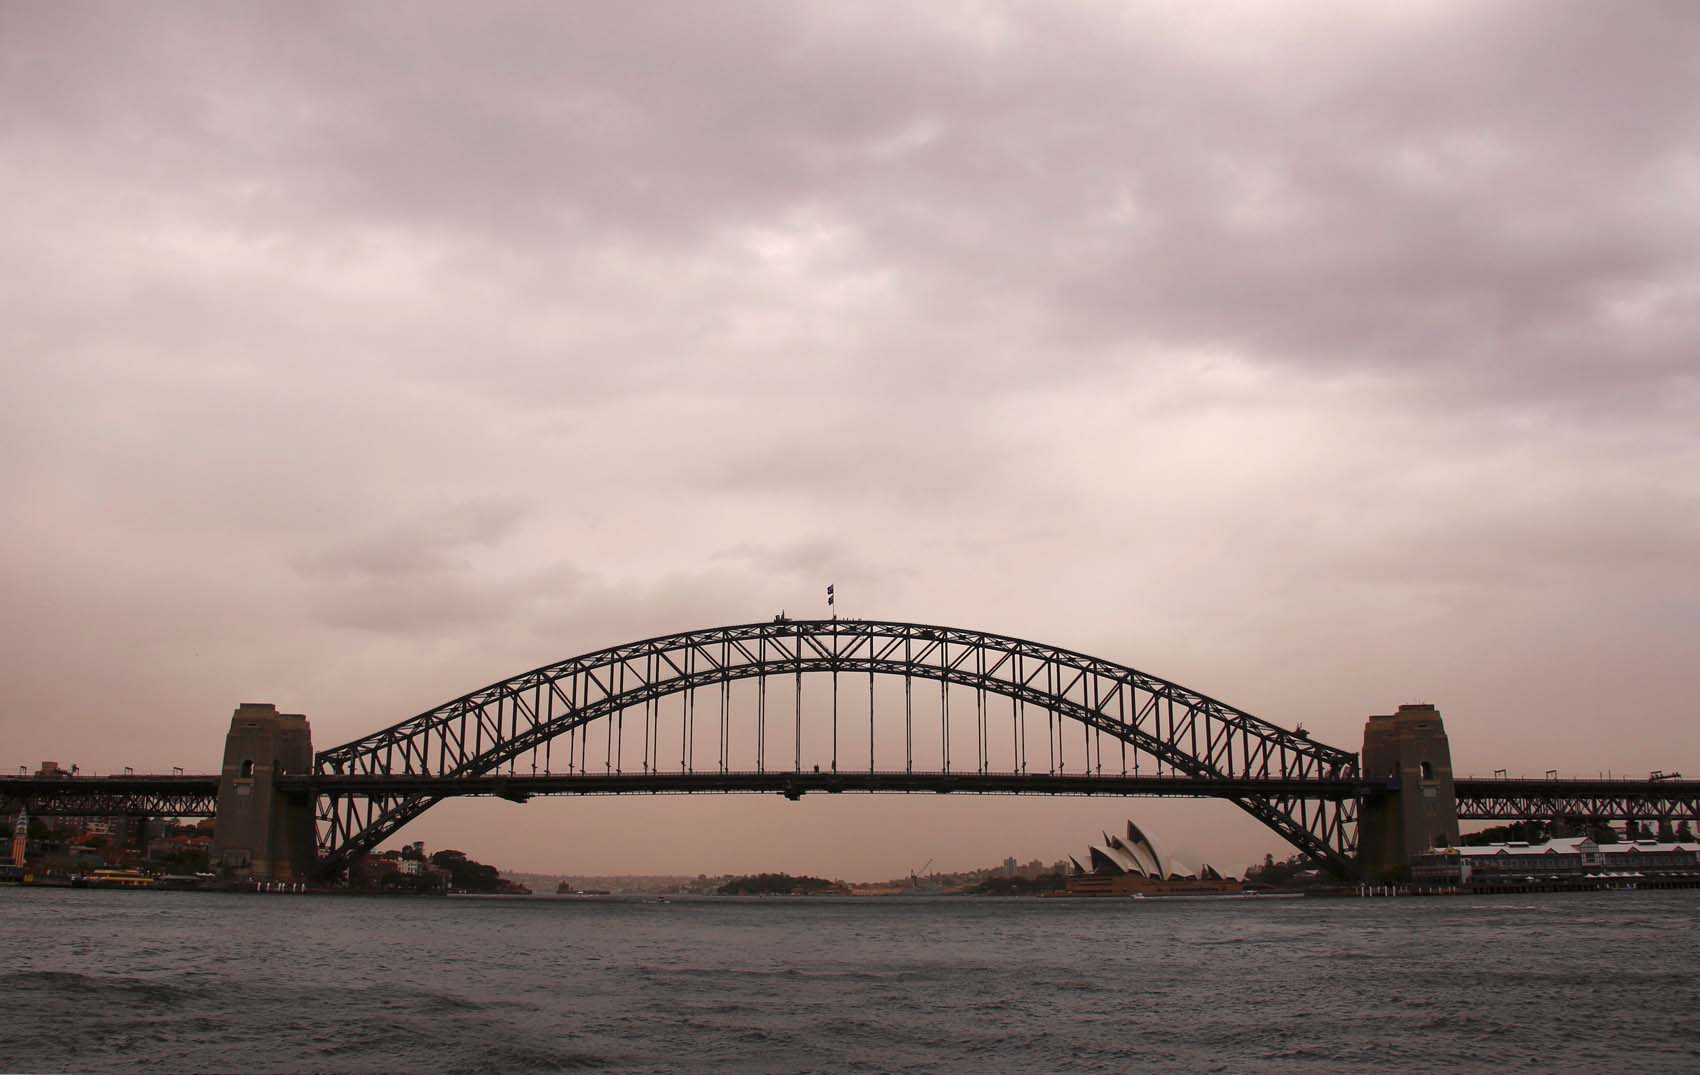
(1317, 358)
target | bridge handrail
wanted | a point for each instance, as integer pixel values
(1575, 782)
(106, 778)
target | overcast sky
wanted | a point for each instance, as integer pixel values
(1320, 358)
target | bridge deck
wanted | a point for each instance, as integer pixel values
(1518, 799)
(101, 790)
(140, 795)
(1479, 798)
(1474, 787)
(792, 783)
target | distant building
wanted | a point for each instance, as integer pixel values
(1575, 859)
(1130, 866)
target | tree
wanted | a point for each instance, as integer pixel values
(467, 875)
(775, 884)
(1293, 870)
(1021, 886)
(1532, 832)
(184, 860)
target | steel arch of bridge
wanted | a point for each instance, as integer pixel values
(1189, 734)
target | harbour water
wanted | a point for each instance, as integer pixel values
(120, 981)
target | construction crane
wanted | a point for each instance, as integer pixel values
(914, 875)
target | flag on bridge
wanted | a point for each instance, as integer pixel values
(829, 595)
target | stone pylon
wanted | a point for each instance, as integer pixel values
(1411, 747)
(262, 832)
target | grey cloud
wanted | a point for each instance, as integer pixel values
(426, 544)
(371, 354)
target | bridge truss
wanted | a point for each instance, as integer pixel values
(715, 703)
(1592, 800)
(112, 796)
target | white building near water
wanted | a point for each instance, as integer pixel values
(1135, 855)
(1568, 859)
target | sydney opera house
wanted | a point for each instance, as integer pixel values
(1130, 866)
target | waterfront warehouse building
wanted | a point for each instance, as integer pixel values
(1575, 861)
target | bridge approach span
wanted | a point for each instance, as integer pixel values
(1522, 799)
(139, 795)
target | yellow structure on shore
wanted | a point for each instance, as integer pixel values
(20, 837)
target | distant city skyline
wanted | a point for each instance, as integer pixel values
(1318, 358)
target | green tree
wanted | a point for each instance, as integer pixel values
(465, 874)
(774, 884)
(184, 860)
(1021, 886)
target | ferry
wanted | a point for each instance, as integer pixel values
(115, 879)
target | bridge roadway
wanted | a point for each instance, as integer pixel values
(196, 795)
(794, 784)
(138, 795)
(1479, 798)
(1521, 799)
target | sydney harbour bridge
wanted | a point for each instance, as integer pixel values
(793, 707)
